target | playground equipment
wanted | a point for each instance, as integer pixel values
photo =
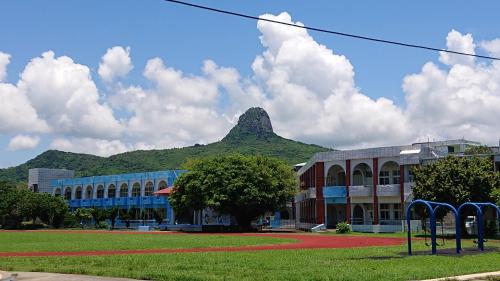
(432, 207)
(480, 222)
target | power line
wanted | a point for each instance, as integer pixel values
(332, 32)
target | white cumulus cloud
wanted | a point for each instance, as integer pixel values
(461, 100)
(23, 142)
(17, 114)
(115, 63)
(4, 61)
(311, 94)
(64, 94)
(457, 42)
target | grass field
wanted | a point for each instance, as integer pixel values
(77, 241)
(372, 263)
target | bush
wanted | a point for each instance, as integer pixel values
(343, 227)
(102, 225)
(70, 221)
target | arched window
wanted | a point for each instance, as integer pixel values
(362, 175)
(389, 173)
(58, 192)
(78, 192)
(136, 190)
(88, 192)
(124, 190)
(67, 193)
(111, 191)
(335, 176)
(162, 185)
(100, 191)
(148, 191)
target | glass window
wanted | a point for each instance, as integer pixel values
(395, 177)
(136, 190)
(124, 190)
(100, 191)
(78, 193)
(384, 177)
(111, 191)
(148, 189)
(384, 212)
(67, 193)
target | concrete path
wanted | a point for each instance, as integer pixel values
(43, 276)
(469, 277)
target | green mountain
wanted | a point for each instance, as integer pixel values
(252, 135)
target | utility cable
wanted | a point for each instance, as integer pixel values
(331, 31)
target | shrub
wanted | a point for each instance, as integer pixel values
(70, 221)
(343, 227)
(102, 225)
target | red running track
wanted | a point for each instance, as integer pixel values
(303, 241)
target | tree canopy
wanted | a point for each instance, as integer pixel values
(456, 180)
(17, 204)
(245, 187)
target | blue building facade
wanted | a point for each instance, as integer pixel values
(133, 191)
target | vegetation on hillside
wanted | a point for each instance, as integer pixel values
(252, 136)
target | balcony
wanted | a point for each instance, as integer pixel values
(360, 191)
(334, 191)
(388, 190)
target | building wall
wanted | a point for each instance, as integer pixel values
(39, 179)
(377, 180)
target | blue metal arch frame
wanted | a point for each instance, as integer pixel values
(480, 222)
(432, 208)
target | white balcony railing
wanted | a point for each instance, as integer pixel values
(388, 190)
(360, 191)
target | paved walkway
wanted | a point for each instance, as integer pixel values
(302, 241)
(43, 276)
(469, 277)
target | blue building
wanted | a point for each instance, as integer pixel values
(133, 192)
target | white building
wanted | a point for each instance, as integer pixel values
(367, 188)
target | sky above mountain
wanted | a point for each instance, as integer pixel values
(104, 77)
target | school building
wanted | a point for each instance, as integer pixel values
(367, 188)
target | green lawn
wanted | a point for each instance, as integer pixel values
(57, 241)
(373, 263)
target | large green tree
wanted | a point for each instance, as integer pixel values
(456, 180)
(245, 187)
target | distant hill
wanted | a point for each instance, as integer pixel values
(252, 135)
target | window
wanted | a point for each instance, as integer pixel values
(384, 212)
(88, 192)
(67, 193)
(124, 190)
(78, 192)
(136, 190)
(395, 177)
(162, 185)
(384, 177)
(397, 211)
(100, 191)
(149, 189)
(111, 191)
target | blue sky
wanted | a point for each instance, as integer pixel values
(184, 37)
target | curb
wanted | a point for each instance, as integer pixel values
(471, 277)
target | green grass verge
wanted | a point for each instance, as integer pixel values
(67, 241)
